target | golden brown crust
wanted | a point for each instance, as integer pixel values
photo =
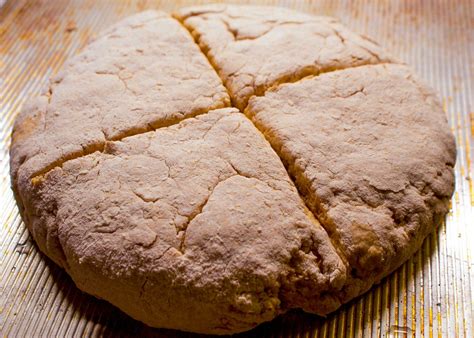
(370, 151)
(255, 48)
(131, 173)
(151, 74)
(196, 226)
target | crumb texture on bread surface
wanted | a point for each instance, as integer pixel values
(135, 174)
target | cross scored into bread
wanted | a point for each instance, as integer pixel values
(209, 171)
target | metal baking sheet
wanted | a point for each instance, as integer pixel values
(431, 295)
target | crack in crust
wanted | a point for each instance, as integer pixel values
(259, 91)
(312, 217)
(282, 81)
(37, 177)
(124, 113)
(410, 217)
(221, 49)
(316, 208)
(197, 212)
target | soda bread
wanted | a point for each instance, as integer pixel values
(135, 173)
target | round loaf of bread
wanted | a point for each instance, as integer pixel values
(210, 170)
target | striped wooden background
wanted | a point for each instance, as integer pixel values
(431, 295)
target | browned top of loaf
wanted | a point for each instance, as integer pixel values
(134, 173)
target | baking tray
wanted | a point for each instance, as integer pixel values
(431, 295)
